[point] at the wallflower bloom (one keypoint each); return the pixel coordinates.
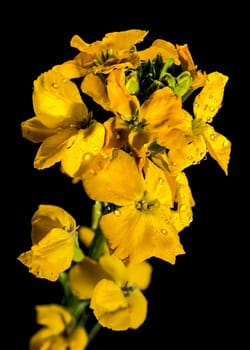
(189, 148)
(114, 290)
(52, 242)
(57, 332)
(61, 124)
(143, 224)
(115, 50)
(141, 124)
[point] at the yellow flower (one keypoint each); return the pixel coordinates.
(115, 50)
(61, 124)
(190, 148)
(114, 290)
(56, 333)
(143, 225)
(145, 123)
(53, 241)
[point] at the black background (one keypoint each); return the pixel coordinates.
(200, 301)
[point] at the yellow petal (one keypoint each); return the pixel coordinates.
(48, 217)
(93, 86)
(78, 339)
(53, 316)
(165, 48)
(50, 256)
(57, 100)
(140, 274)
(209, 100)
(53, 149)
(87, 142)
(113, 310)
(121, 102)
(109, 306)
(111, 184)
(33, 130)
(115, 268)
(219, 147)
(84, 276)
(184, 149)
(134, 236)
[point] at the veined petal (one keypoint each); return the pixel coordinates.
(50, 256)
(219, 147)
(156, 184)
(84, 276)
(135, 236)
(184, 149)
(118, 183)
(87, 141)
(209, 100)
(53, 149)
(163, 109)
(56, 100)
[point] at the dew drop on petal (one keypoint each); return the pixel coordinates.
(117, 212)
(55, 85)
(164, 231)
(183, 207)
(87, 156)
(161, 180)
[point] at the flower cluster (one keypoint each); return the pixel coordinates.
(115, 118)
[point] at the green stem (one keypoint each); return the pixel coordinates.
(93, 332)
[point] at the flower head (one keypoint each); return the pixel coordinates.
(58, 331)
(53, 242)
(114, 290)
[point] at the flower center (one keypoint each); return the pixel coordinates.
(145, 204)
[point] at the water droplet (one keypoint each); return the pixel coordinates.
(161, 180)
(117, 212)
(87, 156)
(212, 108)
(65, 80)
(55, 85)
(212, 137)
(164, 231)
(93, 172)
(226, 143)
(183, 207)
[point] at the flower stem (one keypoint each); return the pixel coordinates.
(93, 332)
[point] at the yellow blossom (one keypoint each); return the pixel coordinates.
(143, 225)
(114, 290)
(53, 242)
(61, 124)
(145, 123)
(115, 50)
(56, 332)
(186, 148)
